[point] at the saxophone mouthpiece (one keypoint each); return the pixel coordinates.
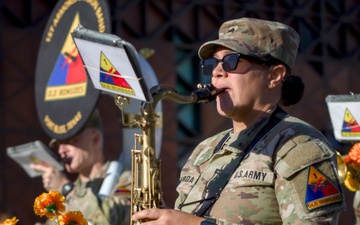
(206, 93)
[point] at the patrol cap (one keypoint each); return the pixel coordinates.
(256, 37)
(94, 121)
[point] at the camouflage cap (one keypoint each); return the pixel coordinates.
(93, 122)
(255, 37)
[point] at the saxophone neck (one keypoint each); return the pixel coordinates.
(204, 94)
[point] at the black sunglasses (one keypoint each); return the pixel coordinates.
(228, 62)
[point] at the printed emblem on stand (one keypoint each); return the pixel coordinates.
(350, 126)
(320, 191)
(110, 78)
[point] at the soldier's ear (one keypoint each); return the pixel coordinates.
(96, 137)
(276, 74)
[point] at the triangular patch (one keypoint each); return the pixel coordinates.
(111, 79)
(320, 191)
(350, 125)
(68, 78)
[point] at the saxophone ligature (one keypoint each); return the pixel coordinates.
(146, 167)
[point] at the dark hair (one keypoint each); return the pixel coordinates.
(293, 86)
(292, 90)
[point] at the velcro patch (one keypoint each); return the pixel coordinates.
(320, 191)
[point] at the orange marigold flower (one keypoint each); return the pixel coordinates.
(11, 221)
(49, 204)
(72, 218)
(354, 153)
(347, 159)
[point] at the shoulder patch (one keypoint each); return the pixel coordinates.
(320, 191)
(122, 190)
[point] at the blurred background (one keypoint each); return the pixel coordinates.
(328, 62)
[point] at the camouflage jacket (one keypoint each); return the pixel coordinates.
(288, 177)
(114, 210)
(356, 205)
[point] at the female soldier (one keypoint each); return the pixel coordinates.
(269, 168)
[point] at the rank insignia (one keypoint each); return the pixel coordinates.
(320, 191)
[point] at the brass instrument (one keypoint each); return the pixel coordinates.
(146, 175)
(342, 167)
(348, 172)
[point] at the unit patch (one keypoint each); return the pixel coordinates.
(122, 190)
(320, 190)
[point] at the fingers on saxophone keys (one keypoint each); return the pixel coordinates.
(150, 214)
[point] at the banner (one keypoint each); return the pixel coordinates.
(64, 95)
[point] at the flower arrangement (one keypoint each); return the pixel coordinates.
(52, 206)
(11, 221)
(352, 162)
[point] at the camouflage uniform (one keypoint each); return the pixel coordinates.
(288, 177)
(356, 206)
(101, 211)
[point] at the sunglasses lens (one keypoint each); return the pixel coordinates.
(208, 65)
(230, 62)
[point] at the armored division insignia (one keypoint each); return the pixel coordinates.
(350, 125)
(64, 95)
(68, 78)
(113, 82)
(320, 190)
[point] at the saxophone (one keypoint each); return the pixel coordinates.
(145, 167)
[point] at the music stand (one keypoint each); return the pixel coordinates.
(111, 63)
(345, 116)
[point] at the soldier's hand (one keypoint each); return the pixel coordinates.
(166, 217)
(52, 178)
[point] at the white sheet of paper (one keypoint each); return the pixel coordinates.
(345, 119)
(96, 56)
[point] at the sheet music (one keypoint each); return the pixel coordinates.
(33, 152)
